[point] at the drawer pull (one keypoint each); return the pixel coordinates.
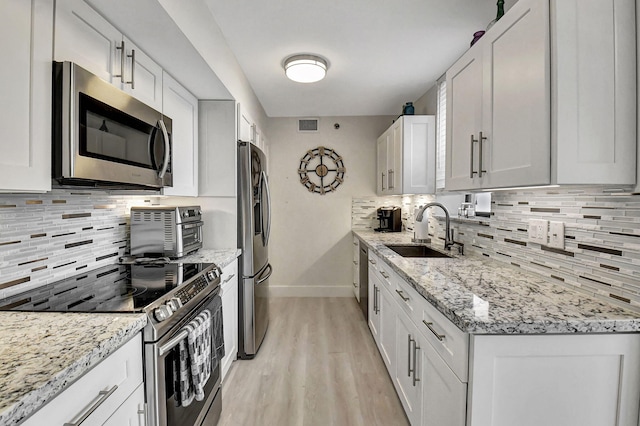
(355, 262)
(371, 261)
(355, 243)
(429, 326)
(384, 274)
(401, 294)
(229, 279)
(103, 396)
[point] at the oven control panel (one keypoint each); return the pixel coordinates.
(185, 294)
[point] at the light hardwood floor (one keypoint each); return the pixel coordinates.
(318, 365)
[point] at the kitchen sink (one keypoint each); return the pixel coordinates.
(415, 251)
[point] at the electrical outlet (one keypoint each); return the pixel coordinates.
(537, 231)
(556, 235)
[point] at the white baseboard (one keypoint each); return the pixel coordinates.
(310, 291)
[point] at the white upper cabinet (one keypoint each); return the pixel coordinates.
(83, 36)
(406, 155)
(182, 107)
(514, 117)
(26, 31)
(217, 148)
(86, 38)
(143, 78)
(595, 91)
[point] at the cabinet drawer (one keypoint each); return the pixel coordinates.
(374, 262)
(451, 343)
(229, 274)
(408, 299)
(99, 392)
(132, 412)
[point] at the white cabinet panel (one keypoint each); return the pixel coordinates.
(26, 31)
(230, 315)
(516, 99)
(579, 380)
(388, 313)
(406, 154)
(132, 412)
(595, 86)
(86, 38)
(356, 268)
(374, 305)
(143, 77)
(444, 396)
(182, 107)
(408, 384)
(217, 148)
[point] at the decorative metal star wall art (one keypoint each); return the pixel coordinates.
(321, 170)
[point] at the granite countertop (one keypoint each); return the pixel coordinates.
(484, 296)
(221, 257)
(42, 353)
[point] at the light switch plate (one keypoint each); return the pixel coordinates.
(556, 235)
(537, 231)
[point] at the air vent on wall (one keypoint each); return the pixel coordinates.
(308, 125)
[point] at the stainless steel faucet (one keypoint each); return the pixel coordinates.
(448, 238)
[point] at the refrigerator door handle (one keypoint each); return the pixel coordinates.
(268, 270)
(266, 231)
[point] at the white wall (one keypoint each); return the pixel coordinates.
(311, 233)
(197, 23)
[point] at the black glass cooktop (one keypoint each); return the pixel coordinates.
(113, 288)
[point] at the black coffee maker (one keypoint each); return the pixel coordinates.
(390, 219)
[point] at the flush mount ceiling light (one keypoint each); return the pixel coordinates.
(305, 68)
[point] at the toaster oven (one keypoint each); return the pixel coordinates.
(169, 231)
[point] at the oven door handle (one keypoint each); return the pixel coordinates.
(191, 225)
(172, 343)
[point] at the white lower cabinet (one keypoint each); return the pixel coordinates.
(374, 307)
(132, 412)
(406, 378)
(229, 315)
(445, 377)
(114, 387)
(356, 268)
(444, 396)
(555, 380)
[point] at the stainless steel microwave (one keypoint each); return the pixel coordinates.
(104, 137)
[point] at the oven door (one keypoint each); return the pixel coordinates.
(160, 361)
(190, 237)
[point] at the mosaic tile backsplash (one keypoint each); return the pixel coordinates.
(602, 236)
(47, 237)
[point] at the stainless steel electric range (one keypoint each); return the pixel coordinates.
(171, 294)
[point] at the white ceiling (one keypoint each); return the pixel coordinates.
(381, 53)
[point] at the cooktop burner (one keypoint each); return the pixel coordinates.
(112, 288)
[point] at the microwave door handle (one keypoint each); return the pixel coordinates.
(167, 149)
(268, 201)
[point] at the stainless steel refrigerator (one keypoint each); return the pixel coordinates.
(254, 227)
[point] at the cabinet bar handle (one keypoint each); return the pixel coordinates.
(480, 163)
(429, 326)
(383, 175)
(103, 396)
(409, 370)
(471, 171)
(229, 279)
(355, 243)
(121, 49)
(401, 294)
(416, 348)
(384, 274)
(376, 299)
(133, 68)
(355, 262)
(355, 285)
(390, 177)
(371, 261)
